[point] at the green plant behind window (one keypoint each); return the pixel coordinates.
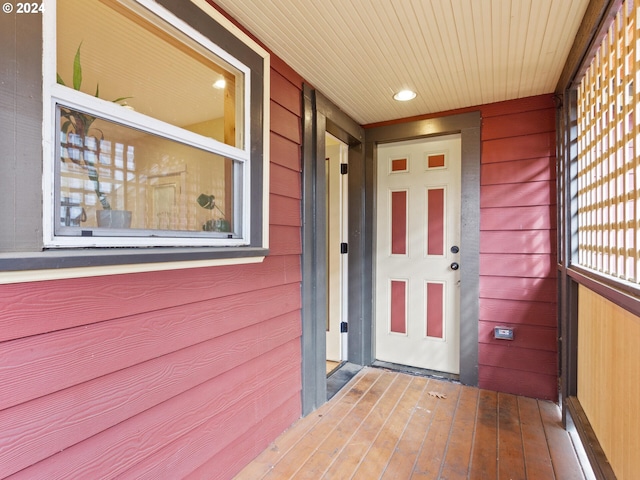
(80, 124)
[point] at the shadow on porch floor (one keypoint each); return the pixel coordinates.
(391, 425)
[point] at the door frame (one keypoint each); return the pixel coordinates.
(320, 116)
(468, 126)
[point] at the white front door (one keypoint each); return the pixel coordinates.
(417, 250)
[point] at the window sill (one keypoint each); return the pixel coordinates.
(17, 267)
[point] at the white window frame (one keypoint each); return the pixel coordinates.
(54, 93)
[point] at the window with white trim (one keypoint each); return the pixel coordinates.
(608, 161)
(150, 131)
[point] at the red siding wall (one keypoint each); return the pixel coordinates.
(518, 247)
(164, 374)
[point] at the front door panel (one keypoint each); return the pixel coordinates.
(417, 253)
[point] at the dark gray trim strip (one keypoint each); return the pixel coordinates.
(321, 116)
(468, 126)
(360, 254)
(339, 124)
(567, 242)
(314, 385)
(597, 458)
(423, 128)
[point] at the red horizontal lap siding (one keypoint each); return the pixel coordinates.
(518, 245)
(506, 149)
(120, 394)
(285, 182)
(529, 384)
(284, 210)
(518, 171)
(161, 373)
(285, 152)
(520, 105)
(239, 392)
(523, 289)
(526, 312)
(249, 445)
(514, 357)
(518, 194)
(518, 265)
(74, 302)
(285, 240)
(518, 218)
(519, 123)
(518, 241)
(41, 364)
(285, 123)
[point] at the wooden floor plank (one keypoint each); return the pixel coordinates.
(510, 451)
(328, 450)
(434, 448)
(458, 457)
(386, 425)
(373, 464)
(406, 452)
(362, 439)
(299, 441)
(484, 458)
(563, 456)
(537, 458)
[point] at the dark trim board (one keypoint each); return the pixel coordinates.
(420, 372)
(319, 117)
(468, 126)
(341, 377)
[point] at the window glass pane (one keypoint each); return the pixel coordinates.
(155, 69)
(164, 185)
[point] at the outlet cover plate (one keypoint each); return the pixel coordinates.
(503, 333)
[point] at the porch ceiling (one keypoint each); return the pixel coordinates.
(453, 53)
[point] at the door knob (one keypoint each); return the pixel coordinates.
(455, 266)
(455, 249)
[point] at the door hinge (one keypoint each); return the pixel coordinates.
(344, 327)
(344, 168)
(344, 248)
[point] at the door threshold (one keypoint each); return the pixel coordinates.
(340, 377)
(332, 366)
(421, 372)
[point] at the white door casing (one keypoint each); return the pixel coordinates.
(337, 228)
(418, 230)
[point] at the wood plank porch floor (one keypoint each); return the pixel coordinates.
(389, 425)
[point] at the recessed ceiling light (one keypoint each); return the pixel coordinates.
(220, 84)
(404, 95)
